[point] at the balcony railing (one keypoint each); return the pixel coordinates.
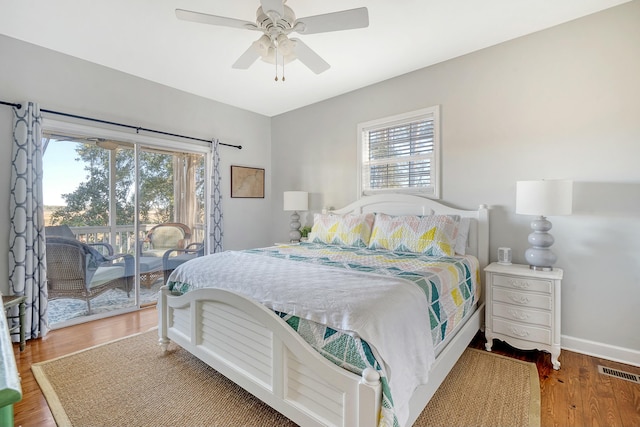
(124, 238)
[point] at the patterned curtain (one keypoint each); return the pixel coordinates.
(215, 208)
(27, 266)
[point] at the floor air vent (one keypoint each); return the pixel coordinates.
(619, 374)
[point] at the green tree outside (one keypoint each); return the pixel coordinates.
(88, 205)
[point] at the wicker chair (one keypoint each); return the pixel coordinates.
(77, 270)
(163, 237)
(174, 257)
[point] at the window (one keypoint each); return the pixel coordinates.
(401, 154)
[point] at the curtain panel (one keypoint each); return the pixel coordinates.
(184, 189)
(215, 206)
(27, 263)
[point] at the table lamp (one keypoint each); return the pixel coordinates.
(543, 198)
(295, 201)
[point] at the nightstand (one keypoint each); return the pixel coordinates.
(523, 308)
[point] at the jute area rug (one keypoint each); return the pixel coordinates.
(129, 382)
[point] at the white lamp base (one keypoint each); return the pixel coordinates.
(294, 233)
(539, 256)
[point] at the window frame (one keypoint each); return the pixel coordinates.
(432, 191)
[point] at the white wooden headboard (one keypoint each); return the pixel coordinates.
(406, 204)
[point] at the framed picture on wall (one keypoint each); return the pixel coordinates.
(247, 182)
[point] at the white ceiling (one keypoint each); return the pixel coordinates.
(144, 38)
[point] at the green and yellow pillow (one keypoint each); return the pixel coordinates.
(342, 230)
(433, 235)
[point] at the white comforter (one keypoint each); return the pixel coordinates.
(391, 314)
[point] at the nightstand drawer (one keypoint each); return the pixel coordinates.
(522, 298)
(511, 312)
(522, 283)
(522, 332)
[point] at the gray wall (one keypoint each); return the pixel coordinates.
(561, 103)
(63, 83)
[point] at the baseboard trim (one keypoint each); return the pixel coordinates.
(605, 351)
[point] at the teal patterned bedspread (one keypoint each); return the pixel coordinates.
(449, 283)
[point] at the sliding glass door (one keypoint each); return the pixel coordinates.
(113, 210)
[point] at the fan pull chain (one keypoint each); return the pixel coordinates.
(276, 61)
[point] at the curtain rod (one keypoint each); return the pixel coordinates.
(137, 128)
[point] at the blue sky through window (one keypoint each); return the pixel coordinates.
(61, 172)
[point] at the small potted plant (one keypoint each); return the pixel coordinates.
(304, 232)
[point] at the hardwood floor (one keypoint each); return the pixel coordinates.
(576, 395)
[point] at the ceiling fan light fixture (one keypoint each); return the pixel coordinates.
(285, 46)
(262, 45)
(270, 57)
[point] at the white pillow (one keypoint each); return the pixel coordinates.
(462, 239)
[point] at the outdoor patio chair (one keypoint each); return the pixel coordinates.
(163, 237)
(78, 271)
(150, 270)
(174, 257)
(64, 231)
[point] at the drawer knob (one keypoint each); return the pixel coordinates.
(520, 299)
(519, 332)
(518, 314)
(521, 284)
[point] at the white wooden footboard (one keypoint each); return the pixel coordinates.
(253, 347)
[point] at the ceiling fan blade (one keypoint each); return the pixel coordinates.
(257, 49)
(203, 18)
(247, 59)
(335, 21)
(308, 57)
(275, 5)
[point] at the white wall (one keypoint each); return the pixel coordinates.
(561, 103)
(63, 83)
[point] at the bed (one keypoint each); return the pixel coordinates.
(268, 347)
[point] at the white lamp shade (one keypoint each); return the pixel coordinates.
(545, 197)
(296, 200)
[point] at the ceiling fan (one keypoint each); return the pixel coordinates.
(277, 21)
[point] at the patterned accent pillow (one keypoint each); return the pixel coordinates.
(342, 230)
(431, 235)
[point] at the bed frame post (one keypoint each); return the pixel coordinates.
(163, 322)
(370, 390)
(483, 236)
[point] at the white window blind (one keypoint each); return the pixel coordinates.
(400, 153)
